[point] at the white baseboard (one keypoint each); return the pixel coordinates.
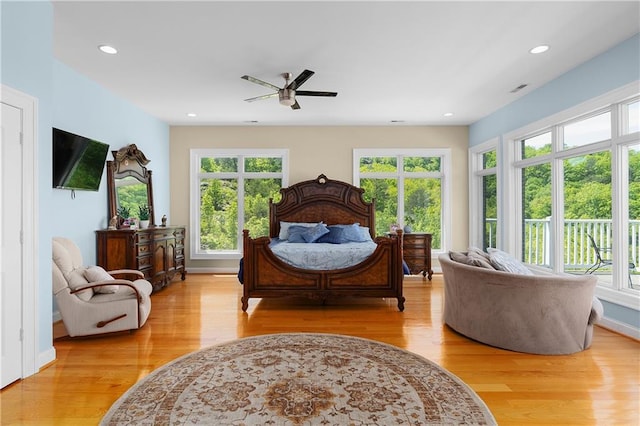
(212, 270)
(620, 327)
(56, 316)
(46, 357)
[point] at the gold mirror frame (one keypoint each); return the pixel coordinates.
(128, 162)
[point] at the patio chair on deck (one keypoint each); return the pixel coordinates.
(600, 262)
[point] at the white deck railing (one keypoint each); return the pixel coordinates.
(579, 255)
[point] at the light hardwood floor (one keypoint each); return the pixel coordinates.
(597, 386)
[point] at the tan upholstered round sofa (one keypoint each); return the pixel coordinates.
(539, 314)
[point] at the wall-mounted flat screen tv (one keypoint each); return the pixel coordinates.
(78, 162)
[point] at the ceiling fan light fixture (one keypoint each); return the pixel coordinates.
(287, 97)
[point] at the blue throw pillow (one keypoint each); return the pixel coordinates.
(302, 234)
(352, 233)
(311, 235)
(295, 234)
(333, 237)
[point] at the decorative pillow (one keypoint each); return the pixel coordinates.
(479, 252)
(76, 279)
(503, 261)
(311, 235)
(96, 274)
(352, 233)
(476, 259)
(334, 236)
(303, 234)
(458, 256)
(365, 234)
(294, 233)
(284, 228)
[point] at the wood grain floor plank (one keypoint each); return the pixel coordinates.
(597, 386)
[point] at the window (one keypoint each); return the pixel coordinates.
(483, 195)
(587, 130)
(633, 213)
(632, 115)
(536, 208)
(409, 187)
(230, 191)
(564, 196)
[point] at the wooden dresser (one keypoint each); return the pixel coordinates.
(158, 252)
(416, 251)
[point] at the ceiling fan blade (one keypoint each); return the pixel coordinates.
(257, 98)
(260, 82)
(296, 105)
(314, 93)
(304, 76)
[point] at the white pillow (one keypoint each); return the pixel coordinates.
(97, 273)
(503, 261)
(76, 279)
(284, 228)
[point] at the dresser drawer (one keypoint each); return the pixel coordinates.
(145, 262)
(143, 237)
(144, 249)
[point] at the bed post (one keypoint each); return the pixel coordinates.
(248, 269)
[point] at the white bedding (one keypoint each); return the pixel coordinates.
(322, 256)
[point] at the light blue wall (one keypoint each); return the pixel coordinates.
(26, 66)
(69, 100)
(608, 71)
(614, 68)
(83, 107)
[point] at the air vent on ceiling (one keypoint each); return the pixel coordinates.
(519, 88)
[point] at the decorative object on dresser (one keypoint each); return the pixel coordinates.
(416, 249)
(157, 252)
(129, 183)
(332, 203)
(143, 213)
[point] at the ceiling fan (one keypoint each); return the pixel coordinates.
(288, 93)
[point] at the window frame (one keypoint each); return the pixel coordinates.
(195, 177)
(476, 174)
(616, 101)
(444, 175)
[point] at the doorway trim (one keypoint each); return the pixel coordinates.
(30, 268)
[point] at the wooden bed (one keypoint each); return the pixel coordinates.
(333, 202)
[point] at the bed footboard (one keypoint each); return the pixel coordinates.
(265, 275)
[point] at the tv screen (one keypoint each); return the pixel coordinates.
(78, 162)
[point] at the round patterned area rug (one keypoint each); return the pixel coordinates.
(300, 379)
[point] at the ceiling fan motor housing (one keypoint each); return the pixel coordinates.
(287, 96)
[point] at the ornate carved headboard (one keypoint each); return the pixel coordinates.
(321, 199)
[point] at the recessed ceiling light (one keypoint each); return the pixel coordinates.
(192, 114)
(448, 114)
(539, 49)
(108, 49)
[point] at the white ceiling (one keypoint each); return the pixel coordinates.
(409, 61)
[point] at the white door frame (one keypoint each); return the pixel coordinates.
(30, 269)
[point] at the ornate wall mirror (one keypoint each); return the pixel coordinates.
(129, 182)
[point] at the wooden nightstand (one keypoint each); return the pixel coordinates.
(416, 250)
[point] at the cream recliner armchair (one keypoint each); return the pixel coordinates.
(91, 300)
